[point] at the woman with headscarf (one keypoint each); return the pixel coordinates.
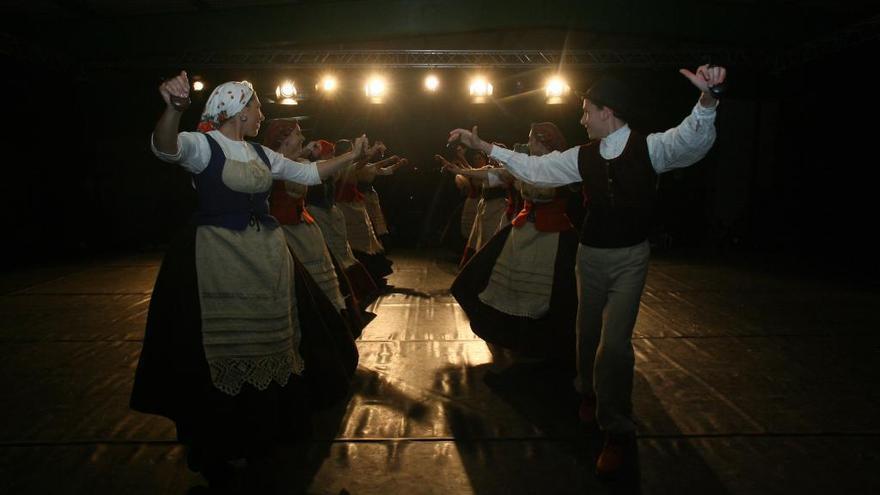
(491, 207)
(519, 291)
(361, 236)
(303, 235)
(365, 177)
(321, 201)
(221, 354)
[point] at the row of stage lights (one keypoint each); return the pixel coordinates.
(376, 89)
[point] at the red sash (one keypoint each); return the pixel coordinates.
(548, 217)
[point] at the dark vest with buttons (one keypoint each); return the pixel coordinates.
(619, 194)
(220, 206)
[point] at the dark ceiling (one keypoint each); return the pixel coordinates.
(139, 31)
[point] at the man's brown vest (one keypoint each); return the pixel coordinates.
(619, 194)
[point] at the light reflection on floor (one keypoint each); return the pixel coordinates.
(746, 381)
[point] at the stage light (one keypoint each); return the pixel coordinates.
(556, 89)
(287, 89)
(328, 84)
(198, 85)
(376, 88)
(432, 82)
(285, 93)
(480, 89)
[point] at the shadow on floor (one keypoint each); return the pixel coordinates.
(559, 448)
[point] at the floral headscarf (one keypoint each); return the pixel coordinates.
(224, 103)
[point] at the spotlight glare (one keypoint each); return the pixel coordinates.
(328, 84)
(198, 86)
(432, 82)
(287, 89)
(555, 89)
(376, 88)
(480, 88)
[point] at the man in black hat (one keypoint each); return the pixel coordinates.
(619, 169)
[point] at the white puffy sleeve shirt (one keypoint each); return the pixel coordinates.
(678, 147)
(194, 153)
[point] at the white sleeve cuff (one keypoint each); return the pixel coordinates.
(703, 112)
(166, 157)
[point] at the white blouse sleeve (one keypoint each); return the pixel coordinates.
(291, 171)
(193, 151)
(686, 144)
(550, 170)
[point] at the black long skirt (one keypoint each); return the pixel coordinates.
(357, 287)
(173, 378)
(377, 265)
(550, 337)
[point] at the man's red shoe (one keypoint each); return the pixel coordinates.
(616, 452)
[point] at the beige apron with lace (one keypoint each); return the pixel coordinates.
(522, 278)
(250, 330)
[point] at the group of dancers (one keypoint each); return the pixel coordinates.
(540, 288)
(257, 304)
(517, 278)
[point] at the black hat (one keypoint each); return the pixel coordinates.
(612, 93)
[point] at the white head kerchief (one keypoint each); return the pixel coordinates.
(224, 103)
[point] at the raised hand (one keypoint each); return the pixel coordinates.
(447, 165)
(359, 148)
(706, 76)
(468, 138)
(390, 161)
(176, 88)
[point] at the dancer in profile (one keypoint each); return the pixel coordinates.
(361, 236)
(221, 354)
(519, 290)
(302, 233)
(491, 206)
(365, 178)
(619, 171)
(321, 201)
